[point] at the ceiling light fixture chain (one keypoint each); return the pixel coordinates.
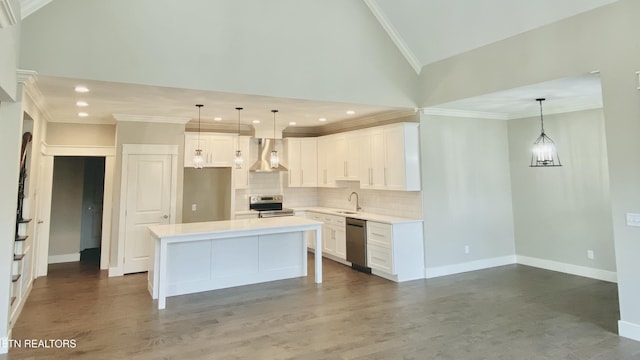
(544, 153)
(274, 160)
(239, 160)
(198, 160)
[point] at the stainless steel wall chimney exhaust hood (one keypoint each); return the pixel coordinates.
(265, 146)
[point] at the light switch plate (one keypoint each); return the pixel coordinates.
(194, 207)
(633, 219)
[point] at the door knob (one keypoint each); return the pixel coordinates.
(165, 217)
(40, 221)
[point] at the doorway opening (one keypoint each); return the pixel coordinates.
(77, 206)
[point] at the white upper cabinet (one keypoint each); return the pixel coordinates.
(402, 157)
(326, 161)
(301, 155)
(372, 165)
(389, 157)
(241, 176)
(218, 150)
(346, 163)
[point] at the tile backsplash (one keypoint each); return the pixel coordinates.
(392, 203)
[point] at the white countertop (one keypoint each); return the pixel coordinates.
(359, 215)
(231, 226)
(246, 212)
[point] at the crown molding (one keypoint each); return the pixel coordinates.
(151, 119)
(7, 15)
(28, 7)
(384, 118)
(245, 130)
(26, 76)
(556, 110)
(510, 116)
(29, 81)
(465, 113)
(394, 35)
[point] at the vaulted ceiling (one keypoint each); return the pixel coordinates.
(424, 31)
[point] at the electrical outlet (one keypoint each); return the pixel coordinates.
(590, 254)
(466, 249)
(633, 219)
(194, 207)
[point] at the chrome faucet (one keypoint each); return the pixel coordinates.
(358, 208)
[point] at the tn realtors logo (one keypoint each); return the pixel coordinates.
(38, 343)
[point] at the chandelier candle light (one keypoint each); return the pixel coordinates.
(198, 161)
(274, 160)
(544, 149)
(238, 159)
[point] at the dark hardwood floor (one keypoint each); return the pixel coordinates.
(511, 312)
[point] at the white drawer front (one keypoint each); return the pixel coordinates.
(380, 258)
(379, 234)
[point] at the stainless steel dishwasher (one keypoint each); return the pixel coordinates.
(357, 244)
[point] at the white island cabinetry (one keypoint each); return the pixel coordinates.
(197, 257)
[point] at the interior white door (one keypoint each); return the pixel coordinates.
(148, 202)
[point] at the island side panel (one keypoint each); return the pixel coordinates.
(206, 265)
(318, 254)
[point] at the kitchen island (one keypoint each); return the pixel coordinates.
(205, 256)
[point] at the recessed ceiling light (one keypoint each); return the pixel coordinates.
(82, 89)
(292, 123)
(256, 121)
(83, 114)
(350, 112)
(82, 103)
(322, 119)
(217, 118)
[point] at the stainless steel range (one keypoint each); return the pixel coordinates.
(269, 206)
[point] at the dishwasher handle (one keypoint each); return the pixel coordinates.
(356, 222)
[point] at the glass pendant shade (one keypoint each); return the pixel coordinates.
(198, 160)
(238, 160)
(274, 160)
(544, 153)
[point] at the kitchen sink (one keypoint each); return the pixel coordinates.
(346, 212)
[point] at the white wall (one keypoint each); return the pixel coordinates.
(467, 193)
(322, 50)
(10, 44)
(80, 134)
(604, 39)
(66, 206)
(562, 212)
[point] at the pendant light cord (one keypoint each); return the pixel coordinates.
(541, 118)
(199, 107)
(274, 124)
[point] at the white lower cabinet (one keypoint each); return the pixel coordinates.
(395, 252)
(334, 238)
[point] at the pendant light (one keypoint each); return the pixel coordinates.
(238, 159)
(198, 160)
(544, 149)
(274, 161)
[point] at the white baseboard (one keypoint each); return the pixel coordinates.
(610, 276)
(64, 258)
(469, 266)
(116, 271)
(629, 330)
